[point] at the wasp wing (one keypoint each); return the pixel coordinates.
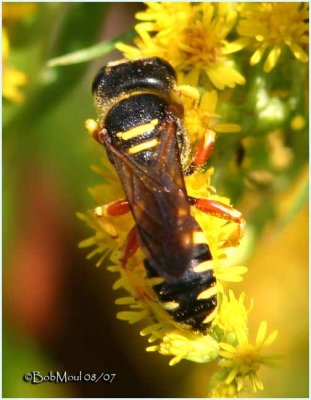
(159, 203)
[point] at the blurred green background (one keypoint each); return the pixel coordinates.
(58, 309)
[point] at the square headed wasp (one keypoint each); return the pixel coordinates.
(140, 125)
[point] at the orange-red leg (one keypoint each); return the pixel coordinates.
(219, 210)
(130, 246)
(113, 209)
(203, 152)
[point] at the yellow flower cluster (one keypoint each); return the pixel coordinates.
(243, 360)
(227, 341)
(202, 116)
(273, 26)
(195, 38)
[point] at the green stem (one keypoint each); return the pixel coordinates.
(90, 53)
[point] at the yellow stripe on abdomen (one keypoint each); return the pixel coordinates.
(143, 146)
(138, 130)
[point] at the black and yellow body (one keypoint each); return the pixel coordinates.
(145, 139)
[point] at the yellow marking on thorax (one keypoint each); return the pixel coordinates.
(199, 237)
(210, 317)
(143, 146)
(170, 305)
(138, 130)
(206, 294)
(204, 266)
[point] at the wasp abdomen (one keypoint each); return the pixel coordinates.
(191, 299)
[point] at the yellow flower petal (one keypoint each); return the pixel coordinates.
(152, 348)
(242, 337)
(272, 59)
(125, 300)
(132, 316)
(227, 128)
(212, 73)
(261, 333)
(271, 338)
(298, 52)
(226, 355)
(257, 56)
(228, 347)
(258, 382)
(130, 52)
(142, 29)
(231, 376)
(233, 47)
(209, 102)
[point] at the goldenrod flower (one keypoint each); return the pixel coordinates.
(232, 316)
(201, 116)
(243, 360)
(271, 26)
(188, 346)
(192, 37)
(221, 390)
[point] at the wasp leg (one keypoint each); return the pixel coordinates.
(130, 246)
(113, 209)
(203, 152)
(220, 210)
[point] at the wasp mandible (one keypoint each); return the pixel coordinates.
(141, 127)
